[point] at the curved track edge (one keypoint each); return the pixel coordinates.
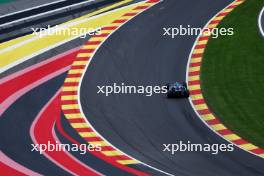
(260, 25)
(197, 99)
(70, 100)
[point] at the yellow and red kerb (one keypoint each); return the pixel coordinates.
(195, 87)
(69, 94)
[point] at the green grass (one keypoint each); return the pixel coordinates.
(232, 74)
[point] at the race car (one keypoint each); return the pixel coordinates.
(177, 90)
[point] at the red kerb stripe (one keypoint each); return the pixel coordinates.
(101, 35)
(231, 6)
(225, 132)
(120, 21)
(222, 14)
(92, 139)
(202, 38)
(196, 64)
(213, 122)
(197, 102)
(258, 151)
(71, 111)
(196, 82)
(194, 73)
(82, 58)
(195, 92)
(75, 75)
(70, 84)
(200, 46)
(130, 14)
(77, 67)
(204, 111)
(83, 129)
(77, 120)
(141, 7)
(215, 22)
(240, 141)
(110, 28)
(196, 55)
(69, 93)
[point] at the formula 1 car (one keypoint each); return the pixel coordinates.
(177, 90)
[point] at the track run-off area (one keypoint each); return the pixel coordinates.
(56, 100)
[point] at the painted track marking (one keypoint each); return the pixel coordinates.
(35, 7)
(45, 121)
(73, 112)
(197, 100)
(29, 46)
(260, 25)
(24, 82)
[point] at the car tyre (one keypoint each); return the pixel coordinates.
(187, 94)
(184, 84)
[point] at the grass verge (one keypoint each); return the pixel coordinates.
(232, 74)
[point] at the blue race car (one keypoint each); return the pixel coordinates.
(177, 90)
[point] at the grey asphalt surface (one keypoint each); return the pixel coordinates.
(27, 12)
(51, 19)
(46, 55)
(16, 143)
(90, 159)
(53, 52)
(15, 6)
(139, 54)
(15, 128)
(15, 139)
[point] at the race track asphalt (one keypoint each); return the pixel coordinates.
(15, 126)
(139, 54)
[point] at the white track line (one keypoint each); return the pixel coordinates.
(67, 25)
(31, 8)
(13, 47)
(194, 109)
(79, 95)
(44, 13)
(260, 22)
